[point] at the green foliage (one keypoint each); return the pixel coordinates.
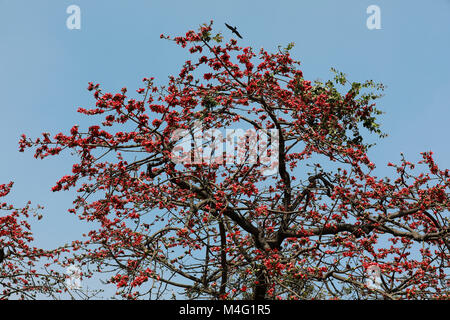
(359, 96)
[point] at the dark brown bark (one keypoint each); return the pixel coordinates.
(261, 286)
(223, 258)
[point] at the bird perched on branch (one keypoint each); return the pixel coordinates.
(2, 255)
(234, 30)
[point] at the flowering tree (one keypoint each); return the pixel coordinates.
(228, 229)
(25, 271)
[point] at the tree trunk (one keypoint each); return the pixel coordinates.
(260, 290)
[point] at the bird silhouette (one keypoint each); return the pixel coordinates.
(234, 30)
(2, 255)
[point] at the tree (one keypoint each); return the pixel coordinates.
(223, 230)
(25, 271)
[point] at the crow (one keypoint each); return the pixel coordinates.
(234, 30)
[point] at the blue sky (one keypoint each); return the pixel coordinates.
(45, 68)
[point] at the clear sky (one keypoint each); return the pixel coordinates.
(45, 68)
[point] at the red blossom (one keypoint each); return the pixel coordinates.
(228, 231)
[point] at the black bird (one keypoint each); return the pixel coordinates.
(234, 30)
(2, 255)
